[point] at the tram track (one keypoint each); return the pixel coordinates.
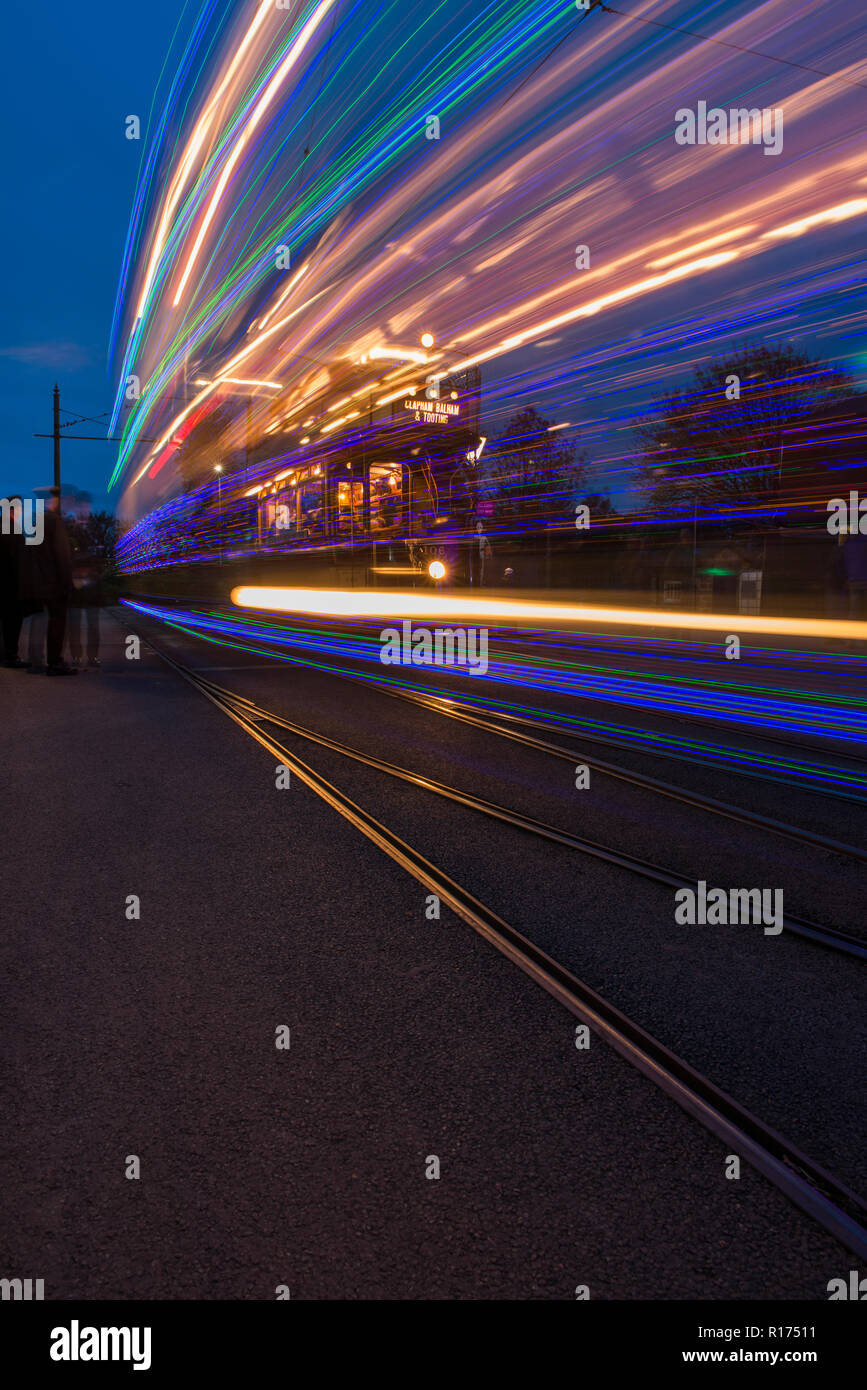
(829, 937)
(695, 757)
(831, 1203)
(476, 717)
(704, 761)
(733, 726)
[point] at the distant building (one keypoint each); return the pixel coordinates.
(824, 455)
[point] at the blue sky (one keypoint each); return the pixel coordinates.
(72, 75)
(78, 72)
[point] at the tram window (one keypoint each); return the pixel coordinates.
(311, 512)
(277, 516)
(423, 505)
(386, 495)
(285, 519)
(350, 506)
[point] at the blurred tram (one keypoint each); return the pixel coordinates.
(394, 503)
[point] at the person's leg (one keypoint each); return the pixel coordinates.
(5, 628)
(15, 631)
(93, 634)
(10, 618)
(36, 641)
(73, 632)
(56, 631)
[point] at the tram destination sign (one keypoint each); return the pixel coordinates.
(432, 412)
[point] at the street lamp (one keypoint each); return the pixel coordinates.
(218, 468)
(681, 483)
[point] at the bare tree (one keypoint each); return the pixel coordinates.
(532, 469)
(721, 439)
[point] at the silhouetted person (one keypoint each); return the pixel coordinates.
(85, 603)
(481, 554)
(48, 581)
(11, 611)
(16, 567)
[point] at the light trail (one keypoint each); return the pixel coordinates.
(249, 129)
(726, 700)
(193, 147)
(527, 613)
(553, 131)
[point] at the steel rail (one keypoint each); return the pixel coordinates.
(838, 1209)
(732, 725)
(664, 788)
(483, 721)
(829, 937)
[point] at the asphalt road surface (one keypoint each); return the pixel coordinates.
(432, 1130)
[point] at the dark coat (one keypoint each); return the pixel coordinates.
(45, 570)
(9, 564)
(87, 576)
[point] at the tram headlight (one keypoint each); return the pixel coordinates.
(436, 569)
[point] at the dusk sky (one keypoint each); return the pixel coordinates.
(74, 176)
(78, 71)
